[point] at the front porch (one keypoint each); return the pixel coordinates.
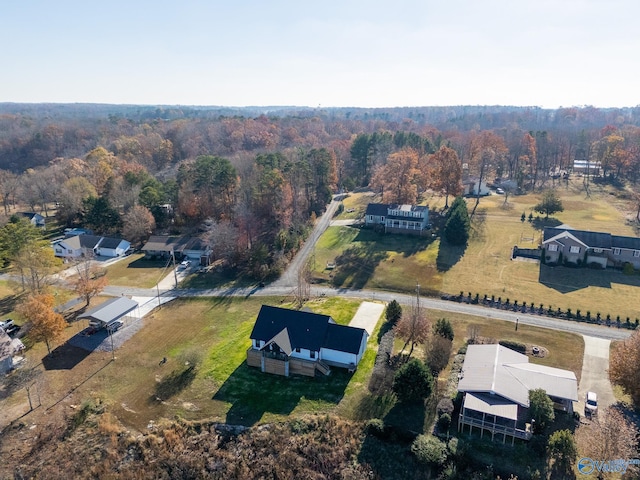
(495, 415)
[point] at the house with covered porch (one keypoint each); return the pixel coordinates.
(496, 381)
(393, 218)
(287, 342)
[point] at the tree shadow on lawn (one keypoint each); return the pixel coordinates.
(449, 255)
(65, 357)
(540, 223)
(8, 304)
(357, 264)
(567, 279)
(145, 262)
(253, 393)
(174, 383)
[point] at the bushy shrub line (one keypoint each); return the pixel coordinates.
(542, 309)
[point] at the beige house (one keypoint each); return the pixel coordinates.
(496, 381)
(581, 247)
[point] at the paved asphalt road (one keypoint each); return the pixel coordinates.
(286, 285)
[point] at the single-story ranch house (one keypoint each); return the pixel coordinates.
(83, 245)
(287, 342)
(580, 247)
(496, 381)
(164, 246)
(411, 219)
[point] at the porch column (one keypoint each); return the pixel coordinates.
(262, 362)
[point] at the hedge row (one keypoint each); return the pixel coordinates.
(541, 309)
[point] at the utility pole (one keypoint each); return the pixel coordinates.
(175, 273)
(113, 351)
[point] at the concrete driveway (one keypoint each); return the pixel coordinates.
(367, 316)
(595, 376)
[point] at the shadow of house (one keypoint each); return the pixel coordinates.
(252, 393)
(65, 357)
(540, 223)
(570, 279)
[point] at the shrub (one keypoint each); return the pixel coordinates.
(444, 422)
(628, 269)
(443, 328)
(517, 346)
(413, 381)
(376, 427)
(429, 450)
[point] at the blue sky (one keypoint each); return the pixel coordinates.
(360, 53)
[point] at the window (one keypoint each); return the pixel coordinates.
(616, 251)
(297, 350)
(312, 354)
(553, 247)
(597, 250)
(574, 249)
(636, 253)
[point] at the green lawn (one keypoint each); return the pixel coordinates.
(393, 262)
(137, 271)
(224, 387)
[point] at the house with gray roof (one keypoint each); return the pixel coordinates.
(394, 218)
(164, 246)
(583, 247)
(287, 342)
(496, 381)
(87, 245)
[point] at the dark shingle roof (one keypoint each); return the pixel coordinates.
(591, 239)
(377, 209)
(108, 242)
(343, 338)
(311, 331)
(632, 243)
(306, 330)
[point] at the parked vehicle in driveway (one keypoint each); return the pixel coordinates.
(114, 326)
(185, 264)
(591, 404)
(7, 324)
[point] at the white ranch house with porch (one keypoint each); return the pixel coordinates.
(496, 381)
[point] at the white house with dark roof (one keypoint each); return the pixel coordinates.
(394, 218)
(286, 342)
(496, 381)
(581, 247)
(88, 245)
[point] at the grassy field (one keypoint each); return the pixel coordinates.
(392, 262)
(136, 271)
(215, 332)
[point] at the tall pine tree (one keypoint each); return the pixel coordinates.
(456, 230)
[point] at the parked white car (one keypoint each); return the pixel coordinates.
(591, 404)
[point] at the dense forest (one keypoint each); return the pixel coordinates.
(251, 180)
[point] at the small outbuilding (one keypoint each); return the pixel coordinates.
(111, 311)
